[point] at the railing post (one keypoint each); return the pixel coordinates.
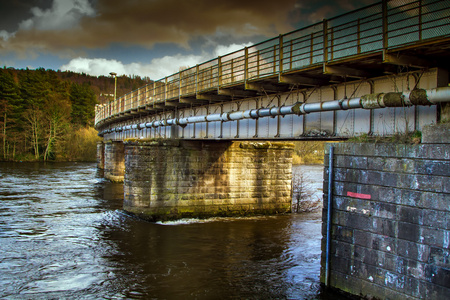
(358, 37)
(290, 56)
(231, 70)
(196, 79)
(280, 55)
(332, 44)
(257, 64)
(325, 40)
(165, 89)
(154, 92)
(219, 71)
(246, 66)
(179, 85)
(274, 58)
(420, 20)
(385, 24)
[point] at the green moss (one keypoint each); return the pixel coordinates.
(413, 137)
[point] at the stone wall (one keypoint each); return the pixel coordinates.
(100, 155)
(390, 220)
(114, 161)
(173, 179)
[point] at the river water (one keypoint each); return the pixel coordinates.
(63, 235)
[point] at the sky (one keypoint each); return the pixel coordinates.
(149, 38)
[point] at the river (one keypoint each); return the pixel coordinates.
(63, 235)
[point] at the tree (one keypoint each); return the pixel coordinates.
(56, 114)
(35, 118)
(9, 107)
(4, 110)
(83, 102)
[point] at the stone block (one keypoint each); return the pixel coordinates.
(438, 275)
(363, 238)
(411, 214)
(437, 201)
(430, 290)
(383, 210)
(390, 195)
(408, 231)
(436, 219)
(439, 257)
(343, 234)
(432, 167)
(433, 151)
(436, 134)
(435, 237)
(391, 179)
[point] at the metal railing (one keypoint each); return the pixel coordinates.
(382, 26)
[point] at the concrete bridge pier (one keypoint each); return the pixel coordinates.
(101, 155)
(172, 179)
(113, 160)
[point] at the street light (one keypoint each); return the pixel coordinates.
(115, 83)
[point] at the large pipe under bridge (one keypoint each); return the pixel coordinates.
(369, 101)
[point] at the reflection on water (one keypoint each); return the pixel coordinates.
(63, 235)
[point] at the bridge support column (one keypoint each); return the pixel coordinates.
(114, 161)
(175, 179)
(101, 155)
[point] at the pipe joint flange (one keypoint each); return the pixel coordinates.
(341, 103)
(225, 117)
(182, 125)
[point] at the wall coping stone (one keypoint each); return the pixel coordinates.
(235, 144)
(436, 134)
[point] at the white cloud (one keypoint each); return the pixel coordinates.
(64, 14)
(222, 50)
(158, 67)
(5, 35)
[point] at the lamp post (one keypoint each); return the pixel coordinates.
(115, 83)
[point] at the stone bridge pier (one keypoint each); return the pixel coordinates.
(172, 179)
(110, 158)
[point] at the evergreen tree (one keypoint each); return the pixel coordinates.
(10, 109)
(83, 102)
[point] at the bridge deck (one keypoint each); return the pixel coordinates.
(373, 41)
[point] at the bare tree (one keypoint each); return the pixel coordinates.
(57, 115)
(35, 119)
(303, 194)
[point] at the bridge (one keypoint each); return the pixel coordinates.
(215, 140)
(272, 89)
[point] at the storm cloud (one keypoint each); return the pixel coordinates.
(146, 37)
(78, 24)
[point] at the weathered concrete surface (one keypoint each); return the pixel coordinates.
(100, 155)
(114, 161)
(436, 134)
(174, 179)
(390, 220)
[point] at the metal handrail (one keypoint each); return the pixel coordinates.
(352, 34)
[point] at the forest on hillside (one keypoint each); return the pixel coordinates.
(49, 115)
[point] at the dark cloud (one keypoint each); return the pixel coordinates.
(70, 28)
(144, 23)
(13, 12)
